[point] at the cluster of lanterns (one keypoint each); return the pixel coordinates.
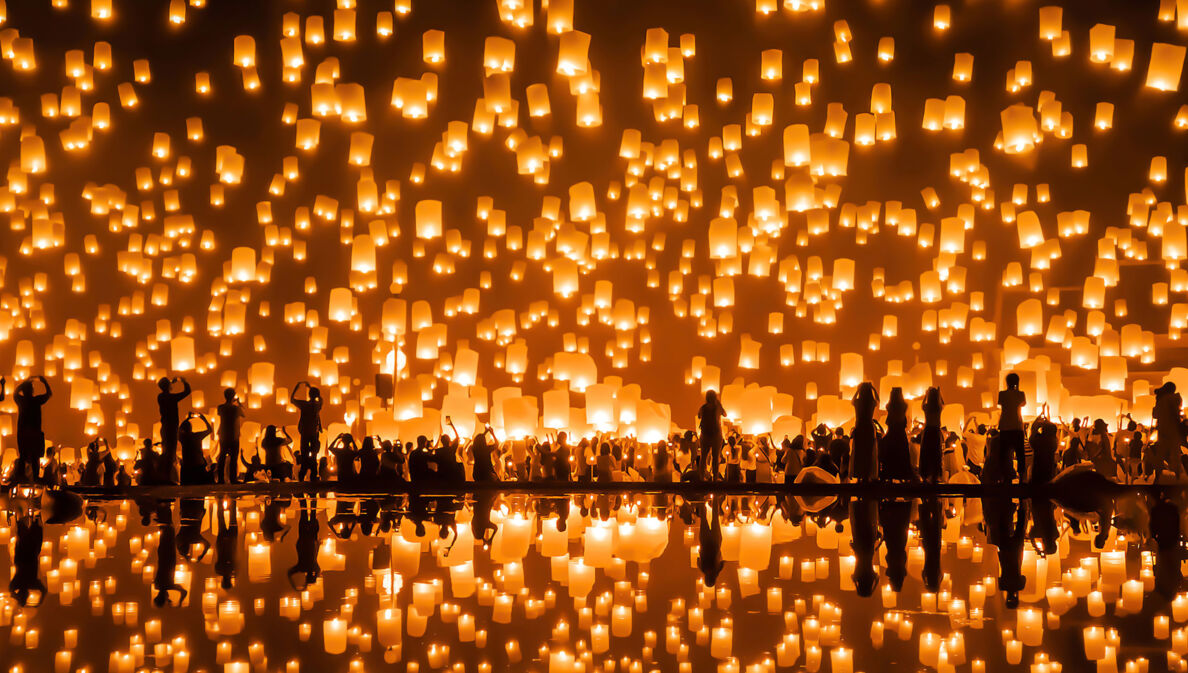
(673, 233)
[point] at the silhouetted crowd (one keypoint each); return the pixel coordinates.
(889, 449)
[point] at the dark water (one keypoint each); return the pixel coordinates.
(613, 583)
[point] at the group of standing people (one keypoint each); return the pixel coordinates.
(891, 449)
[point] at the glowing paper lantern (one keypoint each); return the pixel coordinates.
(1167, 62)
(428, 219)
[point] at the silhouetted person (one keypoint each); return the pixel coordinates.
(709, 543)
(230, 420)
(864, 463)
(1075, 451)
(1169, 554)
(309, 428)
(369, 459)
(163, 577)
(1169, 426)
(307, 548)
(99, 466)
(932, 442)
(930, 523)
(793, 458)
(709, 423)
(148, 464)
(420, 473)
(604, 466)
(226, 542)
(561, 458)
(1010, 429)
(1044, 445)
(194, 466)
(167, 403)
(449, 470)
(29, 435)
(1101, 451)
(25, 560)
(274, 460)
(895, 457)
(484, 466)
(1006, 523)
(895, 516)
(343, 449)
(392, 461)
(864, 524)
(839, 454)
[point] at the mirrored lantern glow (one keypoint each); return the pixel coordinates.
(571, 583)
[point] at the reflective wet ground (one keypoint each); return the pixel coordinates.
(606, 582)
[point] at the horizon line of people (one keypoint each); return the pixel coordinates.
(897, 452)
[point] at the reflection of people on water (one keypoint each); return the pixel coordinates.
(25, 560)
(1006, 524)
(226, 541)
(930, 523)
(271, 521)
(709, 542)
(864, 523)
(1169, 547)
(895, 516)
(480, 523)
(189, 530)
(164, 582)
(1044, 533)
(306, 567)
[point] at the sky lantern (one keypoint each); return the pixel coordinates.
(572, 53)
(433, 46)
(1101, 43)
(428, 219)
(1019, 128)
(1167, 62)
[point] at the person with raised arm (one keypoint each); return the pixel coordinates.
(484, 465)
(230, 420)
(309, 428)
(274, 442)
(932, 441)
(30, 437)
(345, 451)
(194, 466)
(167, 404)
(864, 463)
(709, 425)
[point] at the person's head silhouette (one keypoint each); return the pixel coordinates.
(163, 384)
(229, 394)
(1012, 381)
